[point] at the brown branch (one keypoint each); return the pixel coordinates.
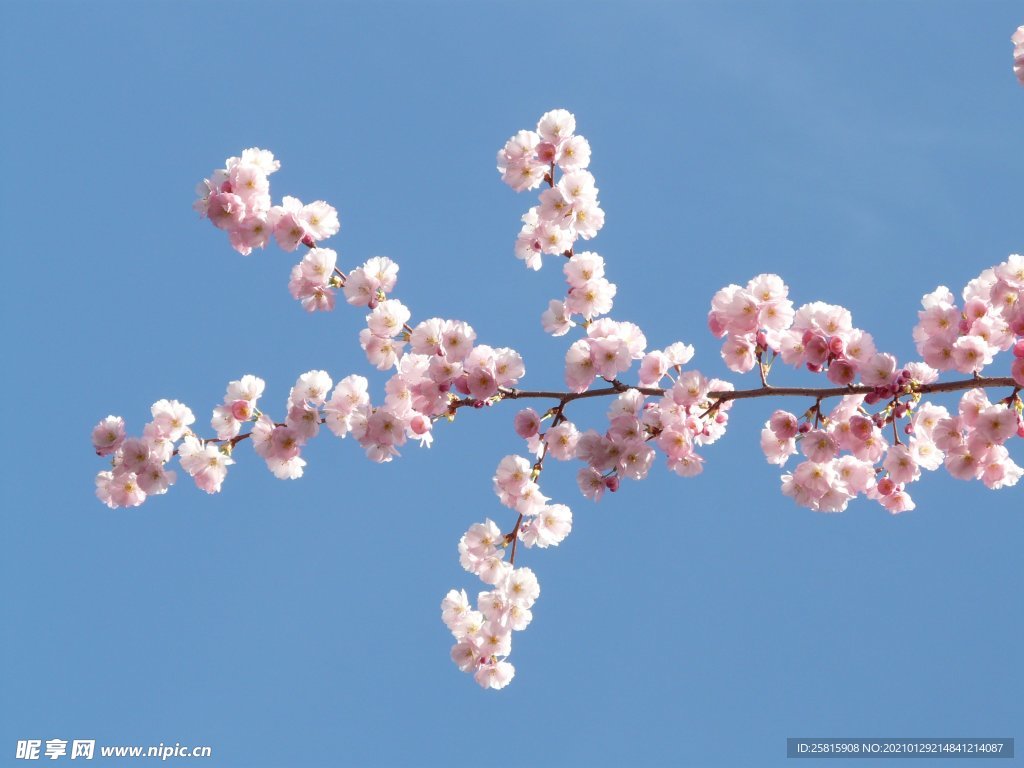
(565, 398)
(770, 391)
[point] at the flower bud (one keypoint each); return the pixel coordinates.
(241, 410)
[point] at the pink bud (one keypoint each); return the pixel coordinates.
(805, 428)
(1018, 348)
(886, 486)
(546, 152)
(808, 335)
(836, 346)
(762, 339)
(965, 325)
(908, 429)
(871, 398)
(419, 424)
(612, 483)
(309, 242)
(241, 410)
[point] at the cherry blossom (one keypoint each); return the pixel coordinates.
(869, 432)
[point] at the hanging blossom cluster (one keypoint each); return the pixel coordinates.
(874, 442)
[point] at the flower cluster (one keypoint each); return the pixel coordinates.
(236, 198)
(568, 209)
(971, 445)
(437, 368)
(138, 464)
(967, 339)
(484, 635)
(760, 318)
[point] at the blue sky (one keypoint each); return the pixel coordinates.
(866, 152)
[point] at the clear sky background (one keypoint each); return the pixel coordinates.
(866, 152)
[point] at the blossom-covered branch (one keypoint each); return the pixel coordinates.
(873, 443)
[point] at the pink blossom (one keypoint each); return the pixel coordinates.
(289, 228)
(818, 446)
(381, 352)
(119, 489)
(579, 367)
(549, 528)
(901, 465)
(321, 219)
(738, 354)
(776, 450)
(108, 435)
(225, 210)
(496, 674)
(591, 483)
(997, 424)
(972, 404)
(555, 318)
(134, 454)
(526, 423)
(561, 440)
(784, 424)
(172, 418)
(556, 126)
(387, 318)
(154, 479)
(898, 501)
(688, 465)
(999, 470)
(970, 354)
(879, 370)
(207, 465)
(962, 464)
